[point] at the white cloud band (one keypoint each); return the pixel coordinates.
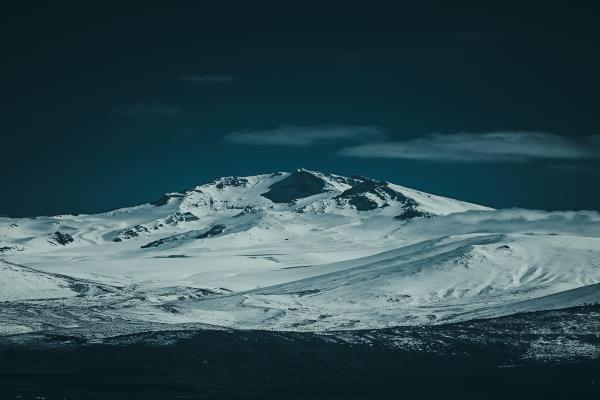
(482, 147)
(288, 135)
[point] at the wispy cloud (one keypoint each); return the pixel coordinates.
(220, 78)
(289, 135)
(143, 108)
(482, 147)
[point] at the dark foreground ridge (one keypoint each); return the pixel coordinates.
(506, 358)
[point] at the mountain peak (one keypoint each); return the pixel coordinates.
(299, 184)
(305, 190)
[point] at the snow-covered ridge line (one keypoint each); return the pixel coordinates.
(236, 203)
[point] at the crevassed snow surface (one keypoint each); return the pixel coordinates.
(293, 251)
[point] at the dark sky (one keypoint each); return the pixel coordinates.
(109, 105)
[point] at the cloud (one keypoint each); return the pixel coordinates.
(482, 147)
(142, 108)
(300, 136)
(509, 221)
(200, 79)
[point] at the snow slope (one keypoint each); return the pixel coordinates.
(293, 251)
(436, 281)
(21, 283)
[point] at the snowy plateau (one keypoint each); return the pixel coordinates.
(299, 251)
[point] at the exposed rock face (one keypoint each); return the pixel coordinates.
(159, 242)
(363, 194)
(129, 233)
(9, 249)
(165, 198)
(248, 210)
(213, 231)
(298, 185)
(62, 238)
(177, 217)
(411, 212)
(187, 236)
(231, 181)
(172, 219)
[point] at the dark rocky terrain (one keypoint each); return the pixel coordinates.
(546, 355)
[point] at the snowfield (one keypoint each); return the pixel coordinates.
(301, 251)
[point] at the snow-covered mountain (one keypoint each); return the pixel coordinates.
(292, 251)
(240, 208)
